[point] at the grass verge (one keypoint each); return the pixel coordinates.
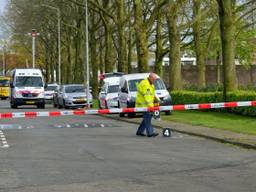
(218, 120)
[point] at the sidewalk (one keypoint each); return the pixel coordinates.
(243, 140)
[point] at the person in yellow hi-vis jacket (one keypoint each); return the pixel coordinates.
(146, 98)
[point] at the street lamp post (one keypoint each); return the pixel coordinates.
(4, 59)
(59, 40)
(87, 55)
(34, 34)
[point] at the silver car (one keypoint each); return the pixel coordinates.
(73, 96)
(49, 92)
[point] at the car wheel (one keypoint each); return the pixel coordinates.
(59, 106)
(64, 105)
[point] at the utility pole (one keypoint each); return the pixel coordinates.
(33, 34)
(87, 55)
(3, 58)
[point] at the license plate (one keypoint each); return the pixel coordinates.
(80, 100)
(30, 102)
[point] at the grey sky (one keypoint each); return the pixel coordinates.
(2, 5)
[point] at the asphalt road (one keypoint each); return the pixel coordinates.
(93, 153)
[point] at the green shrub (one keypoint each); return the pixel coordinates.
(192, 97)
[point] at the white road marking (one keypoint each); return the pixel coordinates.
(3, 139)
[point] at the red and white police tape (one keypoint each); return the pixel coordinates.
(128, 110)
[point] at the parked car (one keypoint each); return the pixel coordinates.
(128, 91)
(107, 75)
(109, 93)
(49, 92)
(72, 96)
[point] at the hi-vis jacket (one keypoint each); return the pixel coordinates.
(146, 94)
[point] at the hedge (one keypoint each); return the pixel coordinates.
(193, 97)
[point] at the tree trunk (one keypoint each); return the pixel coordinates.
(122, 51)
(200, 61)
(94, 62)
(69, 76)
(141, 37)
(159, 47)
(174, 48)
(228, 29)
(218, 62)
(78, 68)
(129, 59)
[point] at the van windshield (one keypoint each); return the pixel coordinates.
(113, 88)
(159, 85)
(28, 81)
(51, 88)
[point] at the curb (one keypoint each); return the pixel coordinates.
(221, 140)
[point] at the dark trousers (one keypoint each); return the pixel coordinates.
(146, 124)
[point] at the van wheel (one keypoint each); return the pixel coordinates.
(106, 105)
(131, 115)
(14, 106)
(168, 113)
(41, 105)
(54, 104)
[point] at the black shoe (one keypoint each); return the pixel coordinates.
(140, 134)
(153, 135)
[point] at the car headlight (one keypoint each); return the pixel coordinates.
(18, 94)
(67, 97)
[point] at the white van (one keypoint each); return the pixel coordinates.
(128, 91)
(27, 88)
(109, 93)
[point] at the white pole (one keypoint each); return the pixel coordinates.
(4, 60)
(87, 55)
(59, 47)
(33, 51)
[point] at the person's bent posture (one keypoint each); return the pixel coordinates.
(146, 98)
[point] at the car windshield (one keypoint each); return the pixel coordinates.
(113, 88)
(75, 89)
(132, 84)
(4, 83)
(29, 81)
(159, 85)
(51, 88)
